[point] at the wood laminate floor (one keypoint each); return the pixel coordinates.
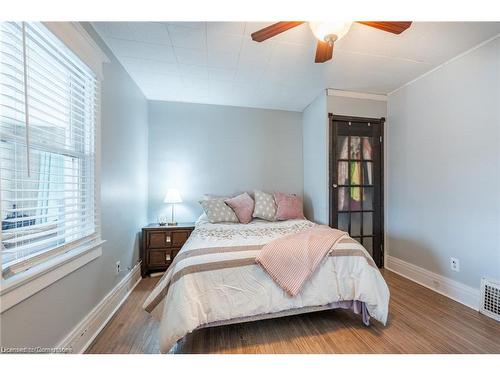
(420, 321)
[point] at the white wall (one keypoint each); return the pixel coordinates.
(48, 316)
(444, 164)
(315, 163)
(201, 148)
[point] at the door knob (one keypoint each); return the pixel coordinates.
(335, 186)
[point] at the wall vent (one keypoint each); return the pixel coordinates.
(490, 298)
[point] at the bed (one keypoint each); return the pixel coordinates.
(214, 280)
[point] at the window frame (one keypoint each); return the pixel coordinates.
(59, 262)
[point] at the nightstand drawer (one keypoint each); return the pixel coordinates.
(159, 239)
(160, 258)
(179, 237)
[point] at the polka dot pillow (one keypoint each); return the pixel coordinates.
(265, 207)
(218, 211)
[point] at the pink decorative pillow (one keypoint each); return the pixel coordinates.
(242, 206)
(289, 206)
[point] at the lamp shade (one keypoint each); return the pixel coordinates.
(172, 196)
(325, 30)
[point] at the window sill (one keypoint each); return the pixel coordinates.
(19, 287)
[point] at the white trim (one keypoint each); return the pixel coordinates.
(81, 43)
(97, 159)
(18, 266)
(455, 290)
(19, 287)
(356, 95)
(445, 63)
(83, 335)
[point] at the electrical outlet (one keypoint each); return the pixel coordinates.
(455, 264)
(117, 270)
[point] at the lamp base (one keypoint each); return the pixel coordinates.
(172, 224)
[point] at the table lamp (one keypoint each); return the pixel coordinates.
(172, 197)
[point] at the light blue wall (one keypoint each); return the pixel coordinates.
(444, 168)
(358, 107)
(315, 135)
(315, 163)
(48, 316)
(199, 148)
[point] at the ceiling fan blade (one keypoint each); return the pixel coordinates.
(391, 27)
(324, 52)
(273, 30)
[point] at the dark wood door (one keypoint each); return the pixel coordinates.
(356, 180)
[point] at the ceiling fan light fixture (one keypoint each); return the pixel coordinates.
(329, 31)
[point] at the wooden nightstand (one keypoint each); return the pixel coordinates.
(160, 245)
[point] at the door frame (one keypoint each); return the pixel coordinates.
(332, 176)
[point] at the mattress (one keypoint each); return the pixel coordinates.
(214, 280)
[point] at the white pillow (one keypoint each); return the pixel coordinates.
(202, 219)
(218, 211)
(265, 207)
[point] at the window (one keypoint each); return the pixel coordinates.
(48, 114)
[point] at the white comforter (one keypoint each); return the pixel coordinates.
(191, 300)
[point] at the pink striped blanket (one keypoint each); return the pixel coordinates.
(292, 259)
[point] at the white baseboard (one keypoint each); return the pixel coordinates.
(450, 288)
(87, 330)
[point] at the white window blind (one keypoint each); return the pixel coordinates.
(48, 113)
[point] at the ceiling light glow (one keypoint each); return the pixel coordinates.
(329, 31)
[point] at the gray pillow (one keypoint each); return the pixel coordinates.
(218, 211)
(265, 207)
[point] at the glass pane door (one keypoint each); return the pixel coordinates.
(356, 181)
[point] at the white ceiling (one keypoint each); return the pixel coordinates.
(218, 63)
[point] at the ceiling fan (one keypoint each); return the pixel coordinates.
(327, 33)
